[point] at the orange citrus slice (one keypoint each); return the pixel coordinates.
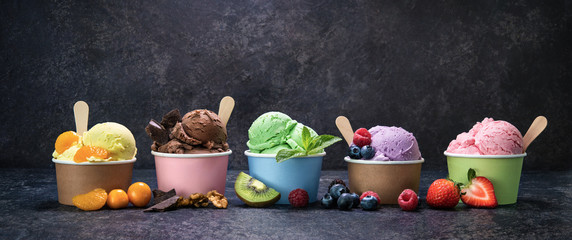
(90, 151)
(65, 141)
(91, 201)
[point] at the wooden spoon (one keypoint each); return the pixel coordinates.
(345, 128)
(81, 114)
(225, 109)
(537, 126)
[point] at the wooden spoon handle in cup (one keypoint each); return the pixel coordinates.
(345, 128)
(81, 114)
(225, 109)
(537, 126)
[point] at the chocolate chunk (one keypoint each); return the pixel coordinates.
(159, 196)
(171, 118)
(168, 204)
(157, 132)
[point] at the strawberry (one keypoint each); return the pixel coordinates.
(479, 193)
(362, 137)
(443, 193)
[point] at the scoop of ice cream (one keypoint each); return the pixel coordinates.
(269, 130)
(205, 126)
(198, 131)
(393, 144)
(274, 131)
(488, 137)
(113, 137)
(465, 144)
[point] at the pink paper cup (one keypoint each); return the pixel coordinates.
(191, 173)
(79, 178)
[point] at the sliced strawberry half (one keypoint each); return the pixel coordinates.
(479, 193)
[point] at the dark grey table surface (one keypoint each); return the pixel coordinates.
(29, 210)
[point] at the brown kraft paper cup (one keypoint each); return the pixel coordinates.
(387, 178)
(73, 178)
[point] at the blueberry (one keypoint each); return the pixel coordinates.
(369, 203)
(328, 201)
(354, 152)
(345, 201)
(367, 152)
(356, 199)
(337, 190)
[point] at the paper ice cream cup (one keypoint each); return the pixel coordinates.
(79, 178)
(387, 178)
(502, 170)
(300, 172)
(191, 173)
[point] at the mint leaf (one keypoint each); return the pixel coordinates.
(306, 137)
(314, 142)
(311, 145)
(321, 142)
(286, 154)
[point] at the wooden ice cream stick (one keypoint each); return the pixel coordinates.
(537, 126)
(81, 114)
(345, 128)
(225, 109)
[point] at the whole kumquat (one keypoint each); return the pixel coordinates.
(117, 199)
(139, 194)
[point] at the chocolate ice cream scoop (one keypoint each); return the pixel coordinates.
(205, 126)
(199, 131)
(177, 132)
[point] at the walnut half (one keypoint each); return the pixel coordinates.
(195, 200)
(217, 199)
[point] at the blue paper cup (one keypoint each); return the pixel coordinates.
(300, 172)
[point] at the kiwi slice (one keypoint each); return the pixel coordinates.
(253, 192)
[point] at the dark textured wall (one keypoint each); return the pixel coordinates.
(432, 67)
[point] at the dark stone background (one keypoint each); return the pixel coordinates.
(432, 67)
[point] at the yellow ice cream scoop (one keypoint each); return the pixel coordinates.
(115, 138)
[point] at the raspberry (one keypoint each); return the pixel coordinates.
(298, 198)
(362, 137)
(370, 193)
(408, 200)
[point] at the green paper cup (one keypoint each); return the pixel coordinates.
(502, 170)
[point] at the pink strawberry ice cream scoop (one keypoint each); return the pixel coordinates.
(394, 144)
(488, 137)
